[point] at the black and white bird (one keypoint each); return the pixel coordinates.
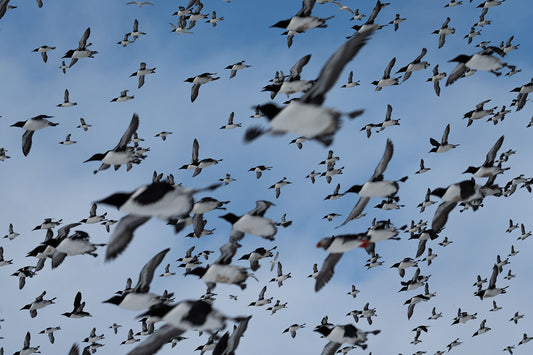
(27, 349)
(444, 31)
(77, 311)
(66, 102)
(158, 199)
(199, 80)
(43, 50)
(386, 80)
(135, 33)
(375, 186)
(30, 126)
(483, 60)
(140, 297)
(442, 146)
(196, 164)
(121, 154)
(436, 78)
(252, 222)
(415, 65)
(488, 169)
(82, 51)
(306, 117)
(343, 334)
(142, 72)
(236, 67)
(50, 332)
(39, 303)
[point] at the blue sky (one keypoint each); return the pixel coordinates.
(53, 182)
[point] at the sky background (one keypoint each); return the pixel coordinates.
(53, 182)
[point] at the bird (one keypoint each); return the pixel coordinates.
(336, 246)
(256, 255)
(139, 3)
(236, 67)
(252, 222)
(82, 51)
(143, 70)
(140, 297)
(388, 122)
(516, 317)
(386, 80)
(43, 50)
(83, 125)
(278, 185)
(196, 164)
(293, 328)
(230, 124)
(261, 300)
(343, 334)
(130, 339)
(415, 65)
(135, 33)
(214, 19)
(436, 78)
(488, 169)
(158, 199)
(67, 140)
(306, 117)
(478, 112)
(11, 233)
(491, 290)
(198, 80)
(350, 82)
(4, 262)
(396, 22)
(523, 92)
(301, 22)
(121, 154)
(442, 146)
(66, 102)
(126, 40)
(123, 97)
(27, 349)
(39, 303)
(375, 186)
(30, 126)
(483, 60)
(444, 31)
(434, 314)
(259, 169)
(78, 311)
(93, 337)
(50, 331)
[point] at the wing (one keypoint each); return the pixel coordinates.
(65, 230)
(389, 112)
(386, 73)
(357, 210)
(153, 343)
(262, 293)
(331, 348)
(26, 142)
(422, 54)
(147, 272)
(58, 258)
(334, 66)
(436, 86)
(456, 73)
(441, 216)
(375, 12)
(261, 206)
(27, 340)
(227, 252)
(77, 300)
(122, 234)
(126, 137)
(297, 68)
(194, 92)
(492, 281)
(327, 270)
(307, 7)
(228, 346)
(141, 81)
(445, 134)
(83, 40)
(491, 155)
(382, 165)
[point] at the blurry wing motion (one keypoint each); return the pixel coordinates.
(126, 137)
(441, 216)
(327, 270)
(147, 272)
(331, 348)
(122, 234)
(228, 343)
(153, 343)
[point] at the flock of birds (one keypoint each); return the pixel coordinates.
(168, 318)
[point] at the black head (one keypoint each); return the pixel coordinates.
(355, 189)
(96, 157)
(189, 80)
(438, 192)
(18, 124)
(281, 24)
(198, 271)
(116, 300)
(323, 330)
(270, 110)
(471, 170)
(116, 200)
(461, 58)
(230, 217)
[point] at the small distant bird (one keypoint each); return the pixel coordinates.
(143, 70)
(78, 311)
(415, 65)
(163, 135)
(4, 262)
(63, 67)
(278, 185)
(30, 126)
(67, 141)
(123, 97)
(386, 80)
(83, 125)
(350, 82)
(436, 78)
(230, 124)
(27, 349)
(82, 51)
(126, 40)
(343, 334)
(396, 22)
(197, 81)
(388, 122)
(235, 67)
(214, 19)
(43, 50)
(11, 233)
(136, 33)
(139, 3)
(226, 180)
(444, 31)
(293, 328)
(259, 170)
(442, 146)
(66, 102)
(50, 331)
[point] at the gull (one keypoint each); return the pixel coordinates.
(139, 3)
